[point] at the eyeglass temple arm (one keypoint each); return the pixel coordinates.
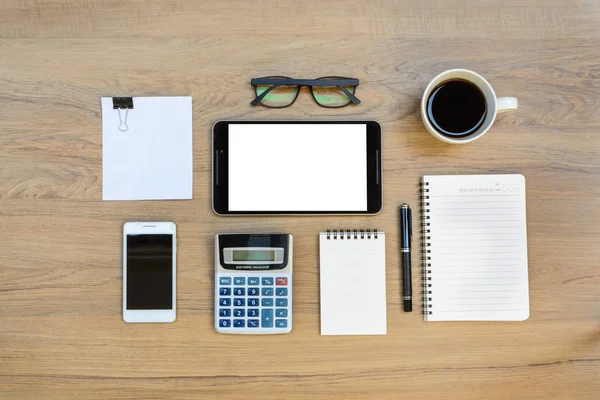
(259, 98)
(352, 97)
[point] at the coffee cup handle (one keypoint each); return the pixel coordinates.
(507, 104)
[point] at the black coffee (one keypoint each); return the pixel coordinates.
(456, 108)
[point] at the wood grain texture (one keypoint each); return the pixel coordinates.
(61, 332)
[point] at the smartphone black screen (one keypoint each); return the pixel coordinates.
(150, 272)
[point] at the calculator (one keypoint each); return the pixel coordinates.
(253, 283)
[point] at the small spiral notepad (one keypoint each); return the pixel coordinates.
(352, 265)
(474, 248)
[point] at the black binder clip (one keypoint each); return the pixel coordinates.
(119, 104)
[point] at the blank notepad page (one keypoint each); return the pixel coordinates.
(352, 274)
(475, 243)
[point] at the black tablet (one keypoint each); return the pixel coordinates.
(286, 167)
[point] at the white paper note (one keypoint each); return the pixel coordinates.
(153, 159)
(352, 272)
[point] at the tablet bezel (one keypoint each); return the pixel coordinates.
(220, 161)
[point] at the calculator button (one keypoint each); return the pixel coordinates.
(282, 281)
(252, 302)
(239, 323)
(281, 323)
(239, 292)
(239, 312)
(225, 302)
(225, 323)
(224, 312)
(225, 281)
(267, 318)
(281, 313)
(225, 291)
(267, 291)
(252, 291)
(239, 281)
(281, 302)
(252, 312)
(281, 291)
(239, 302)
(253, 281)
(267, 302)
(267, 281)
(252, 323)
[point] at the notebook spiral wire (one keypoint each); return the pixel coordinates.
(425, 247)
(347, 234)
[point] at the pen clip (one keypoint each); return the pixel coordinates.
(409, 216)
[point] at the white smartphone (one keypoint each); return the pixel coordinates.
(149, 253)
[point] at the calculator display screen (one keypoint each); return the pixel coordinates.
(253, 252)
(253, 255)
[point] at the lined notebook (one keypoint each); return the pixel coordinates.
(352, 269)
(474, 248)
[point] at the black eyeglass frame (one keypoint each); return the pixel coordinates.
(276, 81)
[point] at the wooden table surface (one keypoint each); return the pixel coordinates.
(61, 331)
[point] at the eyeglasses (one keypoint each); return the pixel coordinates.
(282, 91)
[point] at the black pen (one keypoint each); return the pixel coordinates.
(405, 241)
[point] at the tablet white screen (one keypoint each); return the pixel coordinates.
(297, 167)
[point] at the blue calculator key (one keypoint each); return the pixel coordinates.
(225, 312)
(281, 302)
(224, 323)
(267, 281)
(225, 302)
(239, 302)
(252, 302)
(252, 312)
(239, 292)
(281, 291)
(281, 323)
(267, 302)
(239, 280)
(239, 323)
(267, 318)
(239, 312)
(225, 291)
(252, 291)
(252, 323)
(225, 281)
(253, 281)
(281, 313)
(267, 291)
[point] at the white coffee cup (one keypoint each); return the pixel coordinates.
(494, 104)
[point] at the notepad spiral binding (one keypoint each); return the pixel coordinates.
(425, 248)
(350, 233)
